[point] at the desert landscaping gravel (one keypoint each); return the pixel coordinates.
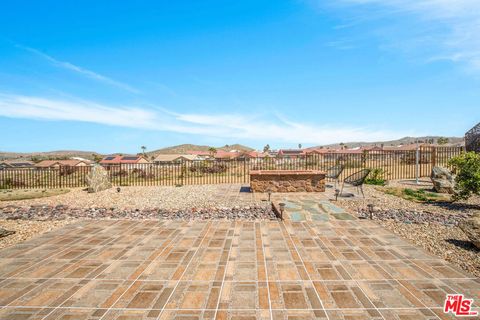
(449, 243)
(431, 226)
(62, 212)
(194, 196)
(25, 230)
(35, 216)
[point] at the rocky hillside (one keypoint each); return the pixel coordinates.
(60, 154)
(402, 141)
(184, 148)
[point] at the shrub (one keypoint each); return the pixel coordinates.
(467, 169)
(376, 177)
(205, 168)
(66, 170)
(120, 173)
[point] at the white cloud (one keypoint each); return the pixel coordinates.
(272, 129)
(444, 29)
(82, 71)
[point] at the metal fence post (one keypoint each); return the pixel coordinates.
(120, 173)
(417, 164)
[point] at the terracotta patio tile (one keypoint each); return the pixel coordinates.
(286, 271)
(342, 294)
(160, 270)
(76, 313)
(179, 314)
(299, 314)
(365, 270)
(358, 314)
(12, 289)
(24, 313)
(408, 314)
(186, 269)
(404, 269)
(293, 295)
(98, 294)
(146, 295)
(433, 292)
(130, 315)
(244, 295)
(50, 293)
(440, 269)
(389, 294)
(195, 295)
(11, 267)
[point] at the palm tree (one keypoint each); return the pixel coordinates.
(266, 148)
(212, 151)
(143, 150)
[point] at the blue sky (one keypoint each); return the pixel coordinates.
(111, 76)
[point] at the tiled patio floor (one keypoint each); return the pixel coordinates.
(122, 269)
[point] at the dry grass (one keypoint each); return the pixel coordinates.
(416, 195)
(24, 194)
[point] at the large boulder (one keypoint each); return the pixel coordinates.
(471, 227)
(98, 179)
(443, 180)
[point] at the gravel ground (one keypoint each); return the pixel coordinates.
(25, 230)
(433, 227)
(62, 212)
(386, 201)
(449, 243)
(195, 196)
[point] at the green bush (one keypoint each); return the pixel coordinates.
(376, 177)
(467, 169)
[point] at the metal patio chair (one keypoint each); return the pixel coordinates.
(334, 173)
(356, 180)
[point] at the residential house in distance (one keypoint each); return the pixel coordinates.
(228, 155)
(175, 158)
(16, 164)
(291, 153)
(130, 161)
(255, 154)
(61, 163)
(201, 155)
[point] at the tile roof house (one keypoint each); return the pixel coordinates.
(115, 160)
(291, 153)
(256, 154)
(220, 154)
(61, 163)
(19, 163)
(175, 158)
(225, 155)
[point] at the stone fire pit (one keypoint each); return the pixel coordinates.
(287, 181)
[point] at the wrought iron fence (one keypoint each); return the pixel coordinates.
(395, 164)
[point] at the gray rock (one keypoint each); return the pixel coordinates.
(471, 227)
(52, 213)
(443, 180)
(5, 233)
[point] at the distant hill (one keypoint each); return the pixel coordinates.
(60, 154)
(452, 141)
(66, 154)
(184, 148)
